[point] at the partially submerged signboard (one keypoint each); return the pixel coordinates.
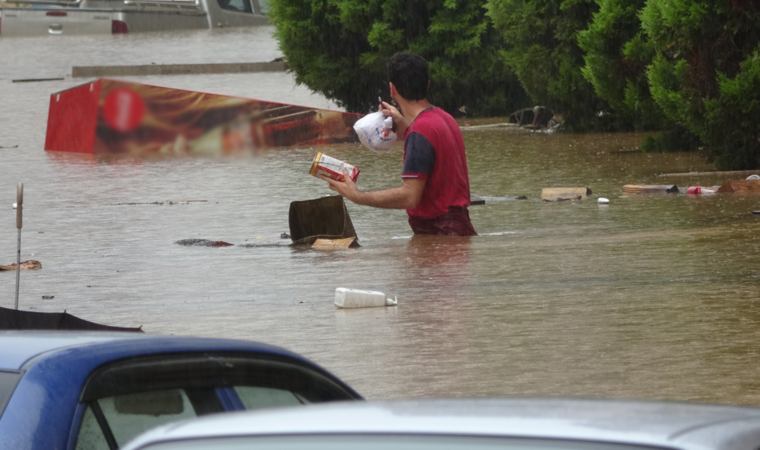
(117, 117)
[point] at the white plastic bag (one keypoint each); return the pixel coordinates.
(376, 131)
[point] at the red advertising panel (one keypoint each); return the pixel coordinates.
(72, 116)
(117, 117)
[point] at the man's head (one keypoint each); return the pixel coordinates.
(409, 74)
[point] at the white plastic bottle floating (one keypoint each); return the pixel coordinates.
(358, 298)
(603, 201)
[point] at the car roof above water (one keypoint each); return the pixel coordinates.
(19, 347)
(655, 424)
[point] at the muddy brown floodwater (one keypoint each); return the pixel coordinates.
(648, 297)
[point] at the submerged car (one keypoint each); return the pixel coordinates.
(26, 18)
(519, 424)
(98, 390)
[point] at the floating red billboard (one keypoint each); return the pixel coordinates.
(117, 117)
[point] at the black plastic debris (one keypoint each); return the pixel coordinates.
(475, 200)
(321, 218)
(11, 319)
(202, 243)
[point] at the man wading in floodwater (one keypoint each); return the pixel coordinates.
(436, 189)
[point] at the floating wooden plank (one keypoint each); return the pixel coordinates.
(650, 189)
(697, 174)
(176, 69)
(558, 194)
(328, 244)
(740, 186)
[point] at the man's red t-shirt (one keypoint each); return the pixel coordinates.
(434, 150)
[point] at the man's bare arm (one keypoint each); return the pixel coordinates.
(406, 196)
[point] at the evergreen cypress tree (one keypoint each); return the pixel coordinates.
(617, 55)
(706, 73)
(542, 49)
(339, 48)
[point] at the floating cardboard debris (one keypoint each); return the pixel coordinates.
(328, 244)
(650, 189)
(321, 218)
(26, 265)
(118, 117)
(740, 186)
(559, 194)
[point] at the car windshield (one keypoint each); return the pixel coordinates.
(384, 442)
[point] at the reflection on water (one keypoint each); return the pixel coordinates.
(650, 296)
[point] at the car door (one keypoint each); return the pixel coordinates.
(125, 398)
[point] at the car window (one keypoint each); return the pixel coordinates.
(120, 418)
(131, 414)
(8, 382)
(385, 442)
(236, 5)
(90, 435)
(128, 397)
(254, 397)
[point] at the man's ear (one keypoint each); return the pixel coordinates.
(394, 92)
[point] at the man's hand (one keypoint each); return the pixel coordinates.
(346, 188)
(400, 123)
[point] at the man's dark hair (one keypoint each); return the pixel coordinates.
(409, 73)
